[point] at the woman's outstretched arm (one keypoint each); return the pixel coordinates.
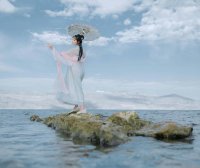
(64, 57)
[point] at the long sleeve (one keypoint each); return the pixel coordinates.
(68, 86)
(67, 58)
(72, 55)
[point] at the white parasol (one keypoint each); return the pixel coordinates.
(89, 32)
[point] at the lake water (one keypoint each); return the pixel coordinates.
(27, 144)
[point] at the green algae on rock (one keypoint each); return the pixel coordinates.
(165, 130)
(35, 118)
(88, 128)
(112, 130)
(129, 121)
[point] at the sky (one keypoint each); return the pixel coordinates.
(145, 47)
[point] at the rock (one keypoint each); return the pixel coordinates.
(35, 118)
(87, 128)
(113, 130)
(129, 120)
(48, 121)
(112, 135)
(165, 130)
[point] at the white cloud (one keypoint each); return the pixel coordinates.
(8, 68)
(27, 85)
(164, 21)
(30, 101)
(161, 20)
(101, 41)
(70, 11)
(98, 100)
(115, 86)
(7, 7)
(4, 43)
(104, 7)
(105, 94)
(57, 38)
(27, 15)
(115, 16)
(100, 8)
(52, 37)
(151, 88)
(127, 21)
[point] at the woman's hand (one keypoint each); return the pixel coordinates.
(50, 46)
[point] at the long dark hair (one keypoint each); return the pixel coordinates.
(79, 39)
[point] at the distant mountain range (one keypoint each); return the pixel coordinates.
(100, 100)
(175, 96)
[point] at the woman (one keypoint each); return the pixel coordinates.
(69, 88)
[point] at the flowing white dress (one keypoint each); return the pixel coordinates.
(69, 86)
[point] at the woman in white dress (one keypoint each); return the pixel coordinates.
(69, 87)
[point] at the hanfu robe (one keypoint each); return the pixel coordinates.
(69, 84)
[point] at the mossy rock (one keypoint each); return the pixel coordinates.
(113, 130)
(35, 118)
(129, 120)
(87, 128)
(166, 130)
(112, 135)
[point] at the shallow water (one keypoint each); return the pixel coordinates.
(26, 144)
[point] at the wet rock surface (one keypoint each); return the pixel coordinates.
(165, 130)
(113, 130)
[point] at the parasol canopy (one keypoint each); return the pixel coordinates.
(89, 32)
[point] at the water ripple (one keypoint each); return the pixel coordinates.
(30, 144)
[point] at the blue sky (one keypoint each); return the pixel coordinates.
(146, 47)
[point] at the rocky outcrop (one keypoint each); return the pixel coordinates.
(129, 121)
(165, 130)
(113, 130)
